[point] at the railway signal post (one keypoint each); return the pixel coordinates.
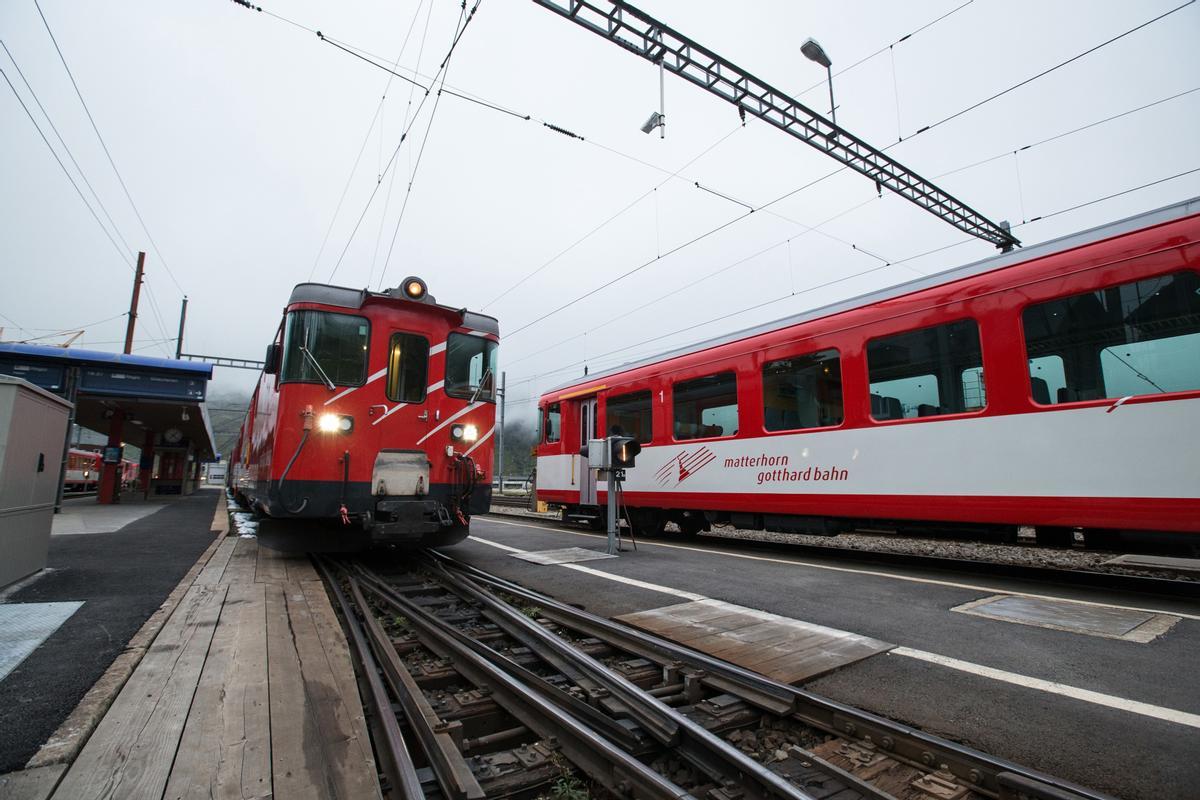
(610, 458)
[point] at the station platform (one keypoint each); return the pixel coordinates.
(239, 685)
(1084, 684)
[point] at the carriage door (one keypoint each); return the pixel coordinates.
(587, 431)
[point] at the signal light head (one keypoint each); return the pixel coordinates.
(414, 288)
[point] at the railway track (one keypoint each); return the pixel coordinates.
(1162, 587)
(510, 500)
(503, 692)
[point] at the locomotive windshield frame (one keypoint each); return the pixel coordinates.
(471, 367)
(337, 345)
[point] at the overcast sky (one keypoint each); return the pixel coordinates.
(236, 133)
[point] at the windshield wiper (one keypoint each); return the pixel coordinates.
(482, 382)
(313, 359)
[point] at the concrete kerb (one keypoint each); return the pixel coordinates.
(65, 743)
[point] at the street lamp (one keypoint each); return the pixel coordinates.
(813, 51)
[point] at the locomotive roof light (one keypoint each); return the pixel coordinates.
(414, 288)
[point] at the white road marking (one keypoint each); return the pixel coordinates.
(1074, 692)
(1086, 695)
(876, 573)
(654, 587)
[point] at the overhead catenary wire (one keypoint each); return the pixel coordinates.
(403, 137)
(695, 282)
(387, 201)
(65, 148)
(444, 70)
(123, 256)
(367, 138)
(827, 175)
(1049, 70)
(841, 279)
(107, 154)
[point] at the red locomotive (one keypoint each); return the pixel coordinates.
(374, 415)
(1056, 387)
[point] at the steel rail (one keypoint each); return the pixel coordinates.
(453, 775)
(604, 762)
(991, 774)
(706, 751)
(409, 783)
(569, 703)
(645, 36)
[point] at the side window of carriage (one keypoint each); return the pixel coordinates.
(803, 392)
(408, 368)
(706, 407)
(927, 372)
(632, 414)
(1137, 338)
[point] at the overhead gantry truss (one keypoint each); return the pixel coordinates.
(640, 33)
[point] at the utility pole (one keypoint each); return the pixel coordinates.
(182, 319)
(133, 303)
(500, 432)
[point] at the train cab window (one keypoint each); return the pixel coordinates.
(927, 372)
(803, 392)
(471, 367)
(632, 414)
(1141, 337)
(408, 365)
(706, 407)
(552, 423)
(324, 347)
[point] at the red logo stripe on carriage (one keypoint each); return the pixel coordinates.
(683, 466)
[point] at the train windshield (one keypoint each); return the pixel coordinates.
(323, 347)
(471, 367)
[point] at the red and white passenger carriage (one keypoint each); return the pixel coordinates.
(1057, 386)
(374, 414)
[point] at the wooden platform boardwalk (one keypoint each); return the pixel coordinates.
(247, 692)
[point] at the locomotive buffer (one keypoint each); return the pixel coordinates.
(610, 457)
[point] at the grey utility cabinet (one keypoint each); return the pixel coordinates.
(33, 430)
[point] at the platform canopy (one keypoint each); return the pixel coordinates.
(162, 397)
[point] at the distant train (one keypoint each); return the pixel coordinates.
(372, 420)
(1056, 387)
(83, 470)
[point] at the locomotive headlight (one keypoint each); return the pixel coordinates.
(470, 433)
(335, 423)
(457, 431)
